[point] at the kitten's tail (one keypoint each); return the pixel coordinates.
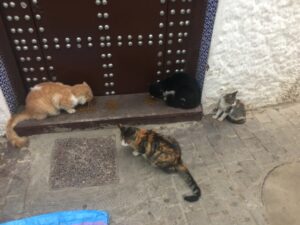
(239, 121)
(11, 134)
(185, 173)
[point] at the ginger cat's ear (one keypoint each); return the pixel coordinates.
(85, 83)
(120, 125)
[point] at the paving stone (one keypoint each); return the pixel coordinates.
(264, 136)
(19, 182)
(258, 215)
(197, 217)
(227, 129)
(14, 205)
(253, 125)
(253, 144)
(243, 132)
(276, 117)
(222, 217)
(3, 187)
(239, 175)
(251, 169)
(240, 214)
(210, 126)
(270, 126)
(263, 157)
(285, 135)
(228, 162)
(175, 216)
(209, 159)
(275, 149)
(296, 107)
(287, 111)
(262, 117)
(292, 150)
(295, 121)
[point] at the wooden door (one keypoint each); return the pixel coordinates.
(118, 47)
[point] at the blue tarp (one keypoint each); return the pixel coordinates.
(77, 217)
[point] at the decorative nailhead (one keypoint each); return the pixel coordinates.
(23, 5)
(27, 17)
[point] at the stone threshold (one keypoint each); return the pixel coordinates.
(107, 111)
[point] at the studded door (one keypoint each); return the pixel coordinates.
(117, 46)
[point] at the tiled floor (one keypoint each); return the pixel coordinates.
(230, 163)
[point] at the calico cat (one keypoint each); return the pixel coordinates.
(179, 90)
(237, 113)
(224, 105)
(47, 99)
(162, 152)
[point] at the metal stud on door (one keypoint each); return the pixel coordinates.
(24, 40)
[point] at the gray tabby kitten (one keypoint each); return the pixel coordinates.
(224, 105)
(237, 113)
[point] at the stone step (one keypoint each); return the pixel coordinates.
(107, 111)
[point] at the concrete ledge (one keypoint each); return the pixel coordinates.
(109, 111)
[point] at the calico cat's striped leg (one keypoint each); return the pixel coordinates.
(169, 170)
(135, 153)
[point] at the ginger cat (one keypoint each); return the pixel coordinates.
(47, 99)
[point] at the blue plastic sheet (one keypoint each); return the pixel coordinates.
(77, 217)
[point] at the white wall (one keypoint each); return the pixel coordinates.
(256, 50)
(4, 113)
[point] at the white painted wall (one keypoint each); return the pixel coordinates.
(4, 113)
(256, 50)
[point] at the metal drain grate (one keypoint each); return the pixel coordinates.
(83, 162)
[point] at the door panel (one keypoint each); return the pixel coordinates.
(118, 47)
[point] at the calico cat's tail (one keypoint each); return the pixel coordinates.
(11, 134)
(185, 173)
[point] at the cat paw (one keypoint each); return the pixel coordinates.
(54, 113)
(135, 153)
(214, 117)
(220, 119)
(123, 143)
(71, 111)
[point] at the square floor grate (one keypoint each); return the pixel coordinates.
(83, 162)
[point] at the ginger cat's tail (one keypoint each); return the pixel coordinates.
(11, 134)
